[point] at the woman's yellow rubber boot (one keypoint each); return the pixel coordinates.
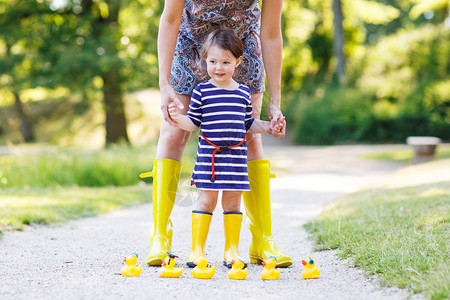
(200, 228)
(258, 208)
(232, 228)
(166, 174)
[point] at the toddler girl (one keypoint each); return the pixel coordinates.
(222, 109)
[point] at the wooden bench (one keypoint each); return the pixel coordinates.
(424, 147)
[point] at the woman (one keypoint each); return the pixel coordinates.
(184, 25)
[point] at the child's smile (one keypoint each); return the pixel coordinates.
(221, 65)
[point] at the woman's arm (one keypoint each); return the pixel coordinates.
(272, 47)
(169, 25)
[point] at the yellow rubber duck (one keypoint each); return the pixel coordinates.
(238, 270)
(269, 272)
(168, 269)
(202, 270)
(310, 271)
(130, 268)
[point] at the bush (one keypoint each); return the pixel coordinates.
(339, 116)
(400, 87)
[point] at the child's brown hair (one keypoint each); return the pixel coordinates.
(224, 38)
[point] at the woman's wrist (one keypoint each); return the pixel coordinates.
(275, 101)
(164, 85)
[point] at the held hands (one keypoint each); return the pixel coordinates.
(181, 121)
(173, 114)
(169, 99)
(277, 127)
(277, 121)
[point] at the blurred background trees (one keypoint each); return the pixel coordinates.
(353, 70)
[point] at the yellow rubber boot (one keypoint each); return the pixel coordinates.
(200, 228)
(258, 208)
(232, 228)
(166, 174)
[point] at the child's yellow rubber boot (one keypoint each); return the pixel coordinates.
(232, 228)
(258, 208)
(200, 228)
(166, 174)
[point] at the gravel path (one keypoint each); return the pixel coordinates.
(82, 259)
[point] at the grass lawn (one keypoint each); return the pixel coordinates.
(53, 185)
(398, 231)
(442, 152)
(54, 205)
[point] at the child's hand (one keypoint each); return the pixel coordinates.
(278, 127)
(173, 111)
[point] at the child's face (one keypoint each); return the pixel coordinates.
(220, 65)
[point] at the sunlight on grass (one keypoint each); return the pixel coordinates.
(400, 232)
(406, 156)
(45, 185)
(116, 166)
(53, 205)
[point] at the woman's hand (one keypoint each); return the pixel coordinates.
(169, 100)
(277, 121)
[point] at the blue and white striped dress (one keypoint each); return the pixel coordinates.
(224, 117)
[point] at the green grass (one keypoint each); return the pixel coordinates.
(116, 166)
(398, 231)
(55, 205)
(53, 185)
(406, 156)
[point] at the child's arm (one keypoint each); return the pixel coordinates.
(183, 122)
(260, 126)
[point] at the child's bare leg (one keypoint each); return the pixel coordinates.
(207, 201)
(231, 201)
(232, 219)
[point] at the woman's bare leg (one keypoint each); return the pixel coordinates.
(257, 201)
(166, 173)
(254, 143)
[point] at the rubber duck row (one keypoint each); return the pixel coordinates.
(203, 270)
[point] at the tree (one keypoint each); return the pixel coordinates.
(113, 40)
(338, 39)
(76, 43)
(19, 58)
(102, 17)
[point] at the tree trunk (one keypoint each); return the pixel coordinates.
(26, 128)
(116, 125)
(339, 39)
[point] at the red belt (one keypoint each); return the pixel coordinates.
(219, 149)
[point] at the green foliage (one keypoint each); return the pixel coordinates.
(400, 87)
(83, 46)
(332, 115)
(74, 44)
(421, 6)
(373, 12)
(20, 27)
(398, 233)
